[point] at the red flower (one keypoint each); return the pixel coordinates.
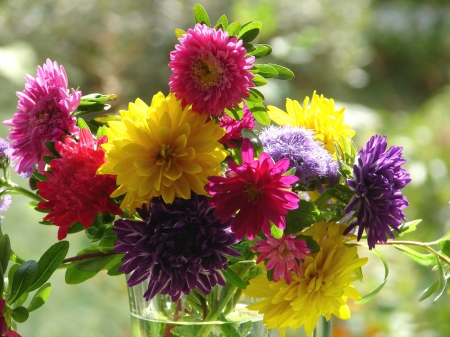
(257, 189)
(5, 331)
(234, 127)
(74, 191)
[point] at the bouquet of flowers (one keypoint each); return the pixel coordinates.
(188, 199)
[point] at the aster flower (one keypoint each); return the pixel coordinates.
(257, 190)
(5, 153)
(234, 127)
(73, 191)
(320, 116)
(321, 288)
(210, 70)
(161, 150)
(378, 177)
(5, 331)
(313, 164)
(284, 254)
(5, 201)
(43, 115)
(179, 246)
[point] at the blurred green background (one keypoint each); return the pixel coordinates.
(387, 61)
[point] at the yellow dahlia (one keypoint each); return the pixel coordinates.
(320, 115)
(322, 287)
(161, 150)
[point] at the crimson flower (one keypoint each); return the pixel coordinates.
(234, 127)
(284, 254)
(210, 70)
(74, 191)
(257, 191)
(5, 331)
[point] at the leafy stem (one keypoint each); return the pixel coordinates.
(84, 257)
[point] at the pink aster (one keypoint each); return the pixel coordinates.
(43, 115)
(210, 70)
(284, 255)
(257, 190)
(74, 192)
(234, 127)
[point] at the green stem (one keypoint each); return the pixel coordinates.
(65, 264)
(225, 296)
(20, 190)
(423, 245)
(323, 328)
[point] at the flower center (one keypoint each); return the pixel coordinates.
(207, 72)
(166, 155)
(251, 192)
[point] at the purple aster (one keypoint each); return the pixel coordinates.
(5, 153)
(210, 70)
(179, 246)
(5, 201)
(43, 115)
(314, 165)
(378, 177)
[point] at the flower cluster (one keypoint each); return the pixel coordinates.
(183, 194)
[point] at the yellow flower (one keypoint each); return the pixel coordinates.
(161, 150)
(322, 287)
(327, 123)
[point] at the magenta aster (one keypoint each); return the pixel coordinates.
(284, 255)
(257, 190)
(234, 127)
(210, 70)
(73, 191)
(43, 115)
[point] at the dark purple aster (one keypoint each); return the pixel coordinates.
(378, 177)
(314, 165)
(179, 246)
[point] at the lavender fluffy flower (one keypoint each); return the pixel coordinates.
(5, 153)
(313, 163)
(378, 177)
(5, 201)
(179, 246)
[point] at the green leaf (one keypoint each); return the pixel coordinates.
(40, 297)
(234, 28)
(86, 269)
(11, 272)
(200, 15)
(259, 50)
(109, 118)
(266, 70)
(256, 142)
(423, 259)
(245, 328)
(310, 242)
(283, 72)
(82, 124)
(445, 247)
(233, 278)
(107, 241)
(259, 81)
(229, 330)
(409, 227)
(429, 291)
(235, 113)
(250, 31)
(75, 275)
(259, 112)
(49, 262)
(179, 32)
(255, 96)
(75, 228)
(275, 232)
(442, 280)
(5, 251)
(21, 300)
(368, 297)
(186, 330)
(305, 215)
(223, 21)
(114, 270)
(92, 99)
(2, 280)
(101, 131)
(51, 147)
(20, 314)
(290, 172)
(23, 278)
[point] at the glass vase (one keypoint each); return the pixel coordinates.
(219, 314)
